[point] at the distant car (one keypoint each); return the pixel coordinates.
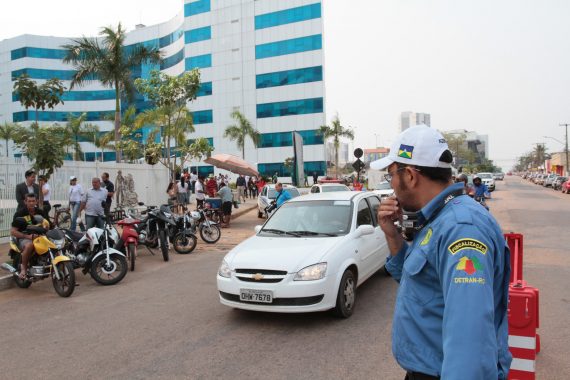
(268, 194)
(310, 256)
(487, 179)
(565, 188)
(384, 190)
(328, 187)
(557, 184)
(499, 176)
(549, 179)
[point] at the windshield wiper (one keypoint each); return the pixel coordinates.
(280, 232)
(313, 233)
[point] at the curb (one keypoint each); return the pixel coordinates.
(6, 282)
(243, 208)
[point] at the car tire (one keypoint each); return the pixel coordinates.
(346, 296)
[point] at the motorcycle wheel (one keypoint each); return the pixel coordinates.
(163, 244)
(63, 220)
(109, 274)
(185, 243)
(132, 255)
(19, 282)
(212, 234)
(66, 285)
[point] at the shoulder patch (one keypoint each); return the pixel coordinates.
(462, 244)
(427, 237)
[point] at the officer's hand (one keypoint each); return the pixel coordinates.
(388, 212)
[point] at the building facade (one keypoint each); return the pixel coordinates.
(374, 154)
(263, 57)
(409, 119)
(473, 142)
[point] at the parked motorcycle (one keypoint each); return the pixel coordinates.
(47, 260)
(209, 230)
(94, 252)
(129, 239)
(152, 229)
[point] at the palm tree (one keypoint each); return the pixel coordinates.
(241, 131)
(110, 63)
(77, 129)
(539, 155)
(336, 131)
(103, 141)
(7, 132)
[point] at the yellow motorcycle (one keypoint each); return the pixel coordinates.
(46, 260)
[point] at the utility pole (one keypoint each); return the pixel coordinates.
(566, 149)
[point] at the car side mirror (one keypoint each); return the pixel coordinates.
(363, 230)
(257, 228)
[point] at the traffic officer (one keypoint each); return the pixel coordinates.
(450, 319)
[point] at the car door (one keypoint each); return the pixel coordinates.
(366, 249)
(381, 251)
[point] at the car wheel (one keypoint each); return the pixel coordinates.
(346, 297)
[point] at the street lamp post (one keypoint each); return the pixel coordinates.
(376, 139)
(566, 149)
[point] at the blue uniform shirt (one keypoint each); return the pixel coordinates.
(450, 318)
(282, 197)
(481, 190)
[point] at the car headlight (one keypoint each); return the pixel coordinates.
(311, 273)
(224, 270)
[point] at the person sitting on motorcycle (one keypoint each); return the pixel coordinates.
(462, 177)
(22, 219)
(480, 189)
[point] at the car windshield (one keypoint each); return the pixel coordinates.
(485, 175)
(310, 219)
(328, 189)
(384, 186)
(272, 193)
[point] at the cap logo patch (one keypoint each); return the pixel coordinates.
(405, 151)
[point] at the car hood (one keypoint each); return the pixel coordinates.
(289, 254)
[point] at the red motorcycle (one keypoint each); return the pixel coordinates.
(129, 239)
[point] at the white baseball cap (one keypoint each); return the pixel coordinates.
(72, 178)
(419, 145)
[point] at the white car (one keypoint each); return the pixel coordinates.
(309, 256)
(384, 190)
(487, 179)
(328, 187)
(268, 195)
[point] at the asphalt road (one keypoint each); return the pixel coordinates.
(164, 320)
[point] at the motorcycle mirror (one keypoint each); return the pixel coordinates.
(141, 203)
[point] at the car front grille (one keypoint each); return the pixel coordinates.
(262, 271)
(260, 275)
(298, 301)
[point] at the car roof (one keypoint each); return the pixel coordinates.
(329, 184)
(333, 196)
(285, 186)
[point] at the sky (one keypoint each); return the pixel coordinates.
(500, 68)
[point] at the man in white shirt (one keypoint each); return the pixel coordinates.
(200, 193)
(75, 195)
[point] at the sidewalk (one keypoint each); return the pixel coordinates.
(6, 281)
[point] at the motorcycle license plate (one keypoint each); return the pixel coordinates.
(253, 295)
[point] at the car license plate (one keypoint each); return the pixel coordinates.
(253, 295)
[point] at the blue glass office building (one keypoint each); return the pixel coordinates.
(263, 57)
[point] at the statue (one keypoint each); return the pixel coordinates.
(119, 188)
(125, 190)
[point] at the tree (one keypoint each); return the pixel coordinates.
(47, 94)
(171, 118)
(45, 146)
(539, 155)
(336, 131)
(288, 164)
(458, 146)
(241, 131)
(77, 129)
(109, 62)
(197, 150)
(103, 141)
(8, 132)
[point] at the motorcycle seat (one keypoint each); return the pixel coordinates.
(57, 205)
(73, 235)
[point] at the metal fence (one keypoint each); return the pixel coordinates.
(150, 182)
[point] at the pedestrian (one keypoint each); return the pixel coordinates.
(211, 186)
(108, 185)
(29, 186)
(193, 179)
(315, 178)
(251, 187)
(306, 184)
(225, 193)
(76, 194)
(45, 195)
(93, 202)
(182, 188)
(240, 184)
(275, 178)
(172, 192)
(450, 318)
(200, 193)
(260, 184)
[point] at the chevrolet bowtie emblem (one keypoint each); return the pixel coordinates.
(258, 277)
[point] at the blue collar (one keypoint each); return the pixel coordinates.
(435, 204)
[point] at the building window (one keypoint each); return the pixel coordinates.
(205, 89)
(34, 52)
(44, 74)
(198, 34)
(288, 16)
(172, 60)
(280, 139)
(292, 46)
(196, 7)
(292, 107)
(74, 96)
(202, 117)
(199, 61)
(58, 115)
(288, 77)
(268, 169)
